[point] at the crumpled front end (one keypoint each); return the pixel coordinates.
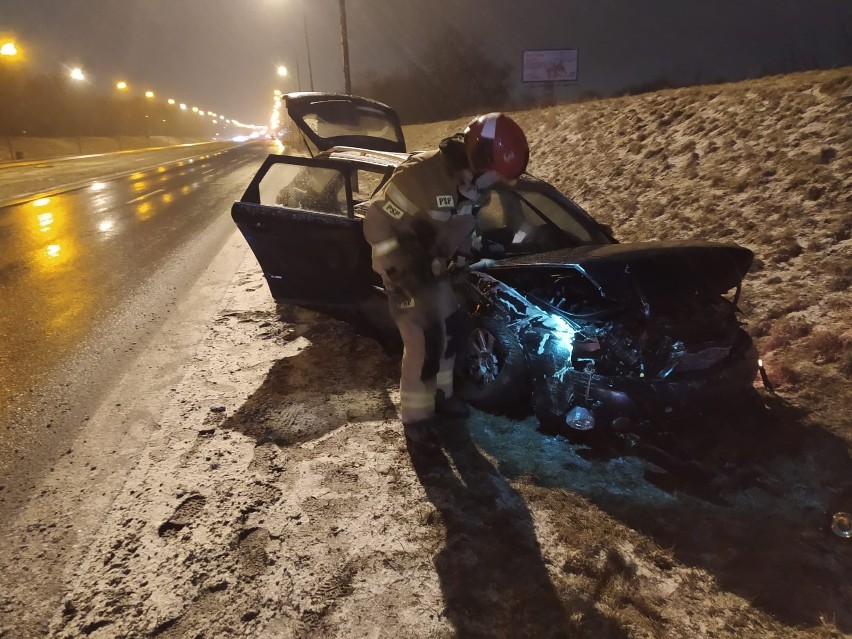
(619, 355)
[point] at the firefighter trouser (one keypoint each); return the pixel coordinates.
(426, 326)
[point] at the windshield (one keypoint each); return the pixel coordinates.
(526, 220)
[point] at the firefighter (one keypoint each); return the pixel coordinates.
(417, 224)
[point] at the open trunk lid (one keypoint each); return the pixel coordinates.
(327, 120)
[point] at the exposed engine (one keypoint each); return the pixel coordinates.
(618, 348)
(635, 338)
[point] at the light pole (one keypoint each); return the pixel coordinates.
(149, 95)
(123, 89)
(344, 43)
(307, 45)
(76, 74)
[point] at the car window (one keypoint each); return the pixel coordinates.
(524, 220)
(308, 188)
(558, 214)
(330, 120)
(364, 184)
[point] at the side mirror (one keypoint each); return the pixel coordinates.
(606, 228)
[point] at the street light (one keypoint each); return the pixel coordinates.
(77, 105)
(171, 101)
(121, 85)
(283, 72)
(8, 49)
(149, 94)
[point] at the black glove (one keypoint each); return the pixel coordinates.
(414, 273)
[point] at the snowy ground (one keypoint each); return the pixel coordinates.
(267, 492)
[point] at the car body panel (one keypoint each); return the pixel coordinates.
(284, 241)
(313, 252)
(655, 270)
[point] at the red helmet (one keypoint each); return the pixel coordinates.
(495, 142)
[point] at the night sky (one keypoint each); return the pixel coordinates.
(221, 55)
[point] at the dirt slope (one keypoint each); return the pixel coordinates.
(274, 497)
(764, 163)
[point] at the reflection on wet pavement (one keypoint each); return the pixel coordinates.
(69, 259)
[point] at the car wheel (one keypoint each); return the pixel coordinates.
(491, 369)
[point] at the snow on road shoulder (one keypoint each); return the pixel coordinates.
(267, 489)
(275, 497)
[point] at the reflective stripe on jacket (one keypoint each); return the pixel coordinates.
(420, 201)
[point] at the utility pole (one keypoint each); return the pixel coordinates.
(307, 45)
(347, 83)
(344, 41)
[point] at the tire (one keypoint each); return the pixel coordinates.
(491, 369)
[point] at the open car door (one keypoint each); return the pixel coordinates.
(297, 215)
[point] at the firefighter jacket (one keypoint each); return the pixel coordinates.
(417, 222)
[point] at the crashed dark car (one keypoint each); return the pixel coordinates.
(589, 332)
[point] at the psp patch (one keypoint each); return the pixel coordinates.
(393, 210)
(445, 201)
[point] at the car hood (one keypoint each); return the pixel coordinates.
(656, 269)
(331, 119)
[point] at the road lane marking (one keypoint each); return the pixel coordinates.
(142, 197)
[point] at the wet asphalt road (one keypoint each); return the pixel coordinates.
(85, 274)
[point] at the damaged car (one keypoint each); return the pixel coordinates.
(592, 334)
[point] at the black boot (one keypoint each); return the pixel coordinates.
(421, 435)
(450, 406)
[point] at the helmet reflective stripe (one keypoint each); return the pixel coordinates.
(386, 246)
(489, 125)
